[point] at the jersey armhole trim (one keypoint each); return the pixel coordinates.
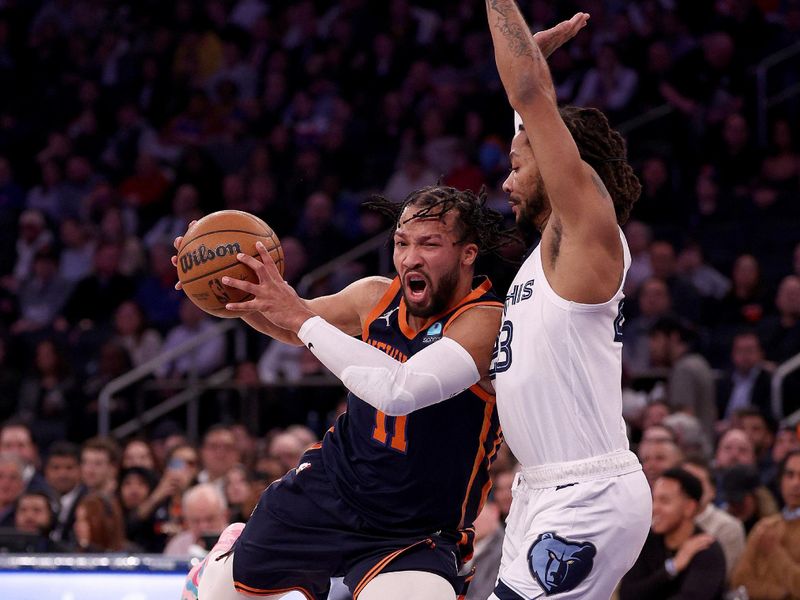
(380, 307)
(466, 307)
(565, 304)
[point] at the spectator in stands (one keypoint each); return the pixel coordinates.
(734, 448)
(218, 455)
(200, 361)
(34, 513)
(117, 226)
(77, 251)
(42, 295)
(287, 449)
(685, 299)
(9, 382)
(185, 209)
(786, 441)
(99, 526)
(608, 86)
(205, 514)
(158, 516)
(138, 453)
(11, 487)
(239, 494)
(99, 465)
(140, 341)
(48, 395)
(136, 484)
(770, 566)
(16, 438)
(689, 434)
(748, 301)
(748, 383)
(156, 293)
(412, 175)
(780, 334)
(726, 529)
(317, 231)
(33, 237)
(657, 457)
(710, 284)
(761, 435)
(95, 298)
(63, 474)
(690, 385)
(489, 534)
(679, 560)
(47, 195)
(654, 414)
(654, 303)
(744, 497)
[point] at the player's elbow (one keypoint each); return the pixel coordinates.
(529, 91)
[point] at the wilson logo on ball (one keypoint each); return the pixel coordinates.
(203, 255)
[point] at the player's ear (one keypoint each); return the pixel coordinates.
(469, 254)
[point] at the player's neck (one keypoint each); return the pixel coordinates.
(676, 537)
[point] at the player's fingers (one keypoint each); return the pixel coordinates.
(269, 262)
(177, 242)
(179, 286)
(254, 264)
(244, 307)
(245, 286)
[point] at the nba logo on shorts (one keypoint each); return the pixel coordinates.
(558, 564)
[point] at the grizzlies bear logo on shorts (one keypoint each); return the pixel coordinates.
(558, 564)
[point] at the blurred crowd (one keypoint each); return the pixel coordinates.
(123, 121)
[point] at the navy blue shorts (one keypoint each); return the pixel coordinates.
(301, 534)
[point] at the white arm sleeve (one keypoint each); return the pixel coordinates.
(432, 375)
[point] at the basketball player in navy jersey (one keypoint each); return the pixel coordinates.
(388, 498)
(581, 509)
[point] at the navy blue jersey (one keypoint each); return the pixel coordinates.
(427, 471)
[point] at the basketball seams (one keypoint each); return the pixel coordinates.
(261, 234)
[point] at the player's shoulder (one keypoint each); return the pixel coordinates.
(373, 287)
(477, 318)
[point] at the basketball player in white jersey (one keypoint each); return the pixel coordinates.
(581, 505)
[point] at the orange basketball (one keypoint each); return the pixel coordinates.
(208, 253)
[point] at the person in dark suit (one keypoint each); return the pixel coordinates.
(63, 474)
(748, 383)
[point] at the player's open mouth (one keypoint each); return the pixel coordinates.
(416, 286)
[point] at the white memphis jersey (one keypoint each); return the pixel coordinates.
(557, 367)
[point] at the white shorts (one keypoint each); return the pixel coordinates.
(574, 529)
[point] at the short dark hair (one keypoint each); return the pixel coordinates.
(104, 444)
(64, 449)
(690, 485)
(672, 324)
(784, 463)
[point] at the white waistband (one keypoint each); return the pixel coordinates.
(597, 467)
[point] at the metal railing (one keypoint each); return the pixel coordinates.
(764, 101)
(778, 378)
(152, 366)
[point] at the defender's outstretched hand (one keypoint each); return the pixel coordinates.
(552, 39)
(272, 296)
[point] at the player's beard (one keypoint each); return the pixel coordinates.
(441, 295)
(530, 210)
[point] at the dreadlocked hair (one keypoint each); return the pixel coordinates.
(604, 149)
(477, 223)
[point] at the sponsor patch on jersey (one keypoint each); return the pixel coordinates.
(434, 333)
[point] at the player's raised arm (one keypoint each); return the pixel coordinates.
(576, 194)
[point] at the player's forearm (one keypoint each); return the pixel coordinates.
(522, 67)
(432, 375)
(260, 323)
